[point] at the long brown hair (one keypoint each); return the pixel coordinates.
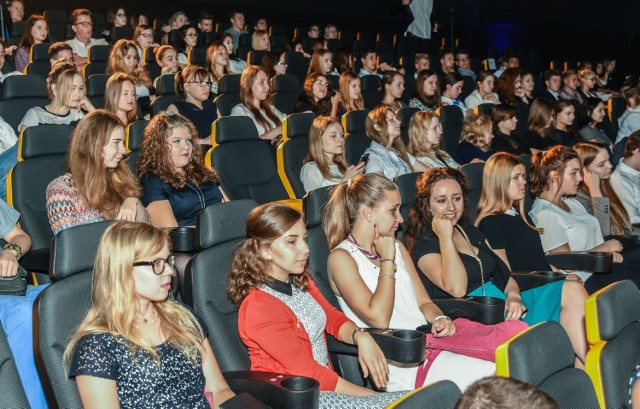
(116, 62)
(316, 150)
(540, 115)
(347, 103)
(543, 163)
(247, 78)
(378, 117)
(112, 95)
(27, 38)
(101, 188)
(315, 65)
(249, 268)
(620, 222)
(432, 101)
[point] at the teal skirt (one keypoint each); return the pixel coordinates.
(543, 303)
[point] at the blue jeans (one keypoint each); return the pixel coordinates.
(8, 159)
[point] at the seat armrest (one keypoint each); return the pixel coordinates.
(276, 390)
(487, 310)
(626, 241)
(531, 279)
(183, 239)
(243, 401)
(401, 345)
(595, 262)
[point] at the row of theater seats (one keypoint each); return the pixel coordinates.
(612, 325)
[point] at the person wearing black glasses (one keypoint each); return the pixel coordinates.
(193, 86)
(82, 25)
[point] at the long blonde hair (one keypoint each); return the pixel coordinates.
(117, 64)
(114, 298)
(346, 78)
(418, 128)
(316, 150)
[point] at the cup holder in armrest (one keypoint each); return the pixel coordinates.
(595, 262)
(183, 239)
(531, 279)
(400, 345)
(487, 310)
(276, 390)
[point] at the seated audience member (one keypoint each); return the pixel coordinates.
(392, 86)
(4, 50)
(236, 65)
(564, 115)
(117, 349)
(313, 31)
(61, 50)
(261, 24)
(588, 84)
(115, 18)
(8, 154)
(136, 19)
(456, 257)
(97, 184)
(143, 37)
(318, 97)
(427, 95)
(193, 86)
(369, 60)
(322, 63)
(387, 153)
(35, 32)
(421, 62)
(120, 98)
(344, 60)
(528, 84)
(504, 124)
(374, 278)
(483, 94)
(189, 41)
(124, 58)
(596, 194)
(425, 134)
(512, 236)
(236, 30)
(167, 60)
(475, 140)
(502, 65)
(451, 88)
(539, 127)
(273, 64)
(217, 64)
(463, 64)
(205, 22)
(68, 99)
(255, 102)
(629, 121)
(176, 185)
(260, 41)
(552, 82)
(175, 22)
(82, 26)
(570, 84)
(350, 93)
(593, 114)
(509, 86)
(17, 241)
(505, 393)
(16, 10)
(608, 79)
(270, 282)
(625, 180)
(325, 163)
(447, 63)
(330, 32)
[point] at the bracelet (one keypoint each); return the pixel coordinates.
(353, 335)
(15, 247)
(440, 317)
(395, 266)
(386, 276)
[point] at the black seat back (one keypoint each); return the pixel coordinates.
(96, 87)
(452, 119)
(13, 395)
(473, 173)
(370, 91)
(405, 115)
(286, 89)
(19, 94)
(293, 149)
(356, 139)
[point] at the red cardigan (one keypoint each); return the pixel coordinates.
(277, 341)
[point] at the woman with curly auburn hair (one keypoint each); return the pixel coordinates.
(255, 102)
(124, 58)
(283, 315)
(97, 184)
(133, 334)
(425, 134)
(350, 92)
(120, 98)
(176, 185)
(217, 63)
(193, 86)
(475, 140)
(325, 163)
(318, 96)
(427, 95)
(509, 86)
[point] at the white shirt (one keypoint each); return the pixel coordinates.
(437, 163)
(312, 179)
(577, 228)
(421, 24)
(8, 136)
(40, 116)
(81, 49)
(625, 180)
(474, 99)
(449, 101)
(628, 123)
(364, 72)
(387, 161)
(241, 110)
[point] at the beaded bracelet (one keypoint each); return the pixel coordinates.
(386, 276)
(440, 317)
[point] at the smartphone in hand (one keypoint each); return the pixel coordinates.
(364, 158)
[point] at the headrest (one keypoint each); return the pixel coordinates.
(245, 39)
(40, 52)
(99, 53)
(97, 84)
(229, 84)
(135, 134)
(370, 82)
(234, 128)
(294, 57)
(121, 32)
(149, 55)
(43, 140)
(296, 125)
(450, 112)
(197, 55)
(24, 86)
(407, 184)
(473, 173)
(167, 85)
(405, 115)
(223, 222)
(285, 82)
(354, 120)
(614, 307)
(74, 249)
(314, 203)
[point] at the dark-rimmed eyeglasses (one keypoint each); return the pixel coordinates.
(84, 24)
(159, 265)
(202, 83)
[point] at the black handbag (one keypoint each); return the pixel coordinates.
(16, 285)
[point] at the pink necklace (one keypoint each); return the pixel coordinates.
(366, 253)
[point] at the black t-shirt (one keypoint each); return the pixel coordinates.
(521, 243)
(505, 143)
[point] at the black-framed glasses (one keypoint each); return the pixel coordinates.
(121, 15)
(282, 63)
(146, 35)
(192, 35)
(159, 265)
(202, 83)
(84, 24)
